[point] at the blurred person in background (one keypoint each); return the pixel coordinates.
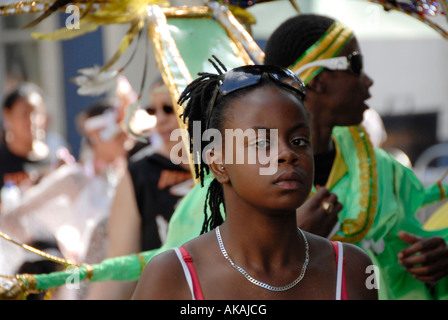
(24, 155)
(73, 202)
(147, 195)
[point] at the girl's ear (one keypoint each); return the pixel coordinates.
(216, 165)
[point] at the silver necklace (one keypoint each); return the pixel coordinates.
(258, 282)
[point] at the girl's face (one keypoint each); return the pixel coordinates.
(282, 116)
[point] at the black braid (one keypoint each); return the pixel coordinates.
(214, 198)
(199, 93)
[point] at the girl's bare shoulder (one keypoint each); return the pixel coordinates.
(162, 278)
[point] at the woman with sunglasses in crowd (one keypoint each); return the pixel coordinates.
(379, 196)
(156, 179)
(147, 195)
(258, 252)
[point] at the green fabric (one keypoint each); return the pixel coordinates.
(350, 184)
(432, 193)
(197, 40)
(400, 195)
(125, 268)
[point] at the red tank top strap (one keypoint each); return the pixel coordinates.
(340, 279)
(194, 277)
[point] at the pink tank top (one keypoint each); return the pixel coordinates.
(196, 291)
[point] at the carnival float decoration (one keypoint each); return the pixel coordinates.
(173, 27)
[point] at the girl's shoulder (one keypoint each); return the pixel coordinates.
(165, 271)
(362, 280)
(351, 252)
(160, 278)
(356, 259)
(358, 266)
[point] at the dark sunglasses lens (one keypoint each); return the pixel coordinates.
(288, 78)
(356, 64)
(247, 76)
(235, 80)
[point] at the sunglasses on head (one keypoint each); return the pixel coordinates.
(352, 62)
(152, 111)
(251, 75)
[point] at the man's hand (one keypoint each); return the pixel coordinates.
(319, 214)
(425, 258)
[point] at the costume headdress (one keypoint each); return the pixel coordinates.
(328, 46)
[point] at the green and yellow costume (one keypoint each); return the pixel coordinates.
(380, 197)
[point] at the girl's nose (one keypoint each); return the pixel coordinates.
(286, 154)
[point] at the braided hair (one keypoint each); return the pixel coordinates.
(293, 37)
(199, 93)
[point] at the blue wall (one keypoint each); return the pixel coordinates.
(78, 53)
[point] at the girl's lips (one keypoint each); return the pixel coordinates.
(288, 184)
(288, 180)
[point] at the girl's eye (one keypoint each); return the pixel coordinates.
(262, 144)
(299, 142)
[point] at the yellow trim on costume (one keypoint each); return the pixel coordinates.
(142, 260)
(328, 46)
(89, 271)
(338, 170)
(438, 220)
(354, 230)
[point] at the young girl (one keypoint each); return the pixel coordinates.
(258, 252)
